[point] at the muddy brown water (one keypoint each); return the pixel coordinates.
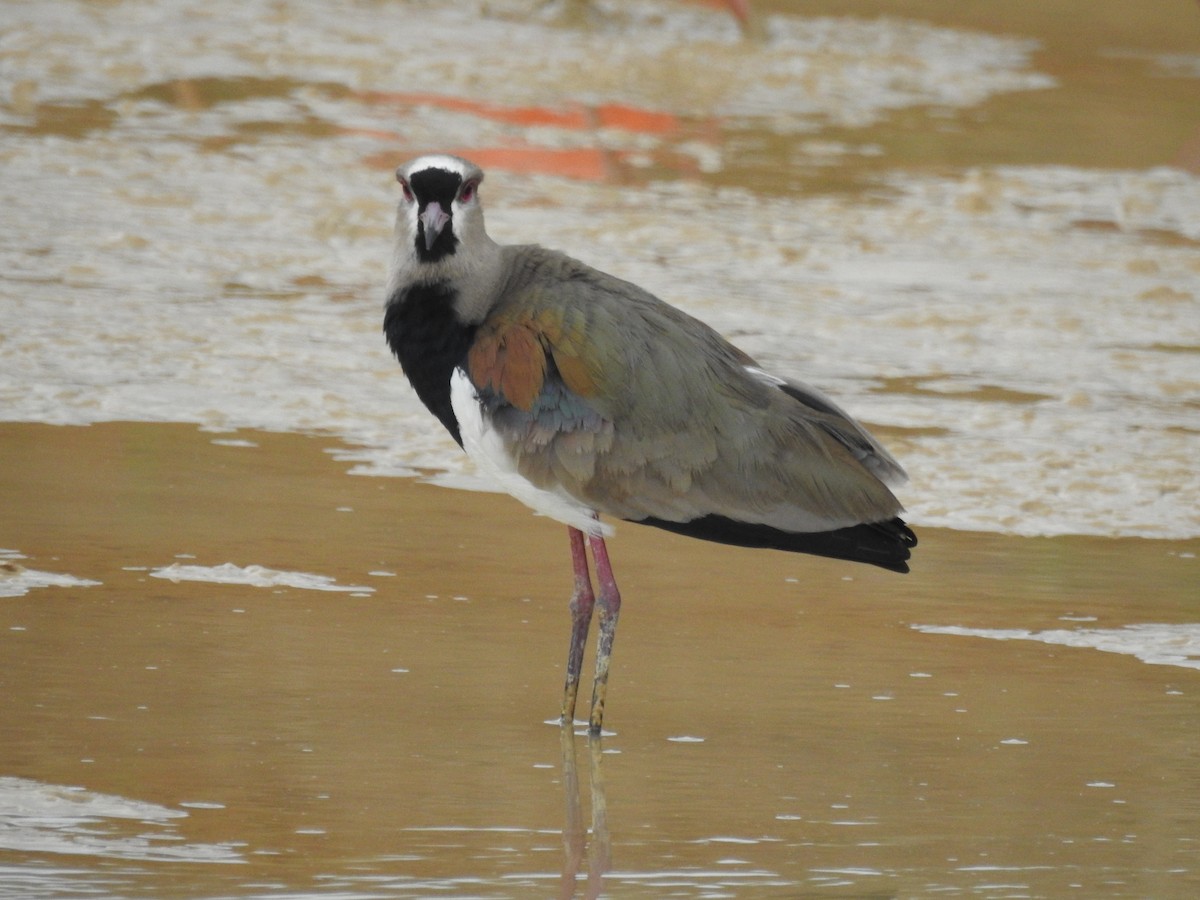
(779, 727)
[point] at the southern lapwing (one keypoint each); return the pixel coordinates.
(582, 394)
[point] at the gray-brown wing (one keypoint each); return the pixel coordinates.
(644, 412)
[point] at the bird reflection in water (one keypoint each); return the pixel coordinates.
(575, 834)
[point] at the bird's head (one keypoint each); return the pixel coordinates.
(439, 209)
(440, 235)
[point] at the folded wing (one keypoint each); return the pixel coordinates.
(599, 390)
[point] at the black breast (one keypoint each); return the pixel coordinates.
(430, 342)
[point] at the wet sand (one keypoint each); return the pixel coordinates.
(780, 728)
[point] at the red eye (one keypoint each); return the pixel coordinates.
(408, 194)
(468, 192)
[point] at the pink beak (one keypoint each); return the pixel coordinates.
(434, 219)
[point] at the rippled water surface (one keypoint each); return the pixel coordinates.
(247, 654)
(279, 680)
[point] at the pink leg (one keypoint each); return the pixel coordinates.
(610, 609)
(581, 617)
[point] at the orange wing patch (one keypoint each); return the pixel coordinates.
(510, 357)
(511, 362)
(574, 372)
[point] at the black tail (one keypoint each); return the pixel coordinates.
(885, 544)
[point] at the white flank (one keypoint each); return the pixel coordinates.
(486, 449)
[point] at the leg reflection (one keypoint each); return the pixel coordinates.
(600, 851)
(574, 834)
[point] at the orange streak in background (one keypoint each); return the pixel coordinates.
(739, 8)
(635, 119)
(576, 118)
(528, 116)
(582, 163)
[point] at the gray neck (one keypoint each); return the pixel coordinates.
(475, 273)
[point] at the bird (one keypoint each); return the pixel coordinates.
(582, 394)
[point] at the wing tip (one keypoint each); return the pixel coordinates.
(887, 544)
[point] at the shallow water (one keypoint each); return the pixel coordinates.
(233, 666)
(780, 725)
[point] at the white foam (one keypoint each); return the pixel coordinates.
(17, 581)
(1164, 645)
(847, 71)
(255, 576)
(44, 818)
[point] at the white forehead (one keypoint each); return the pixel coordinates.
(464, 168)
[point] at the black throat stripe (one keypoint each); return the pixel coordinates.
(430, 343)
(440, 185)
